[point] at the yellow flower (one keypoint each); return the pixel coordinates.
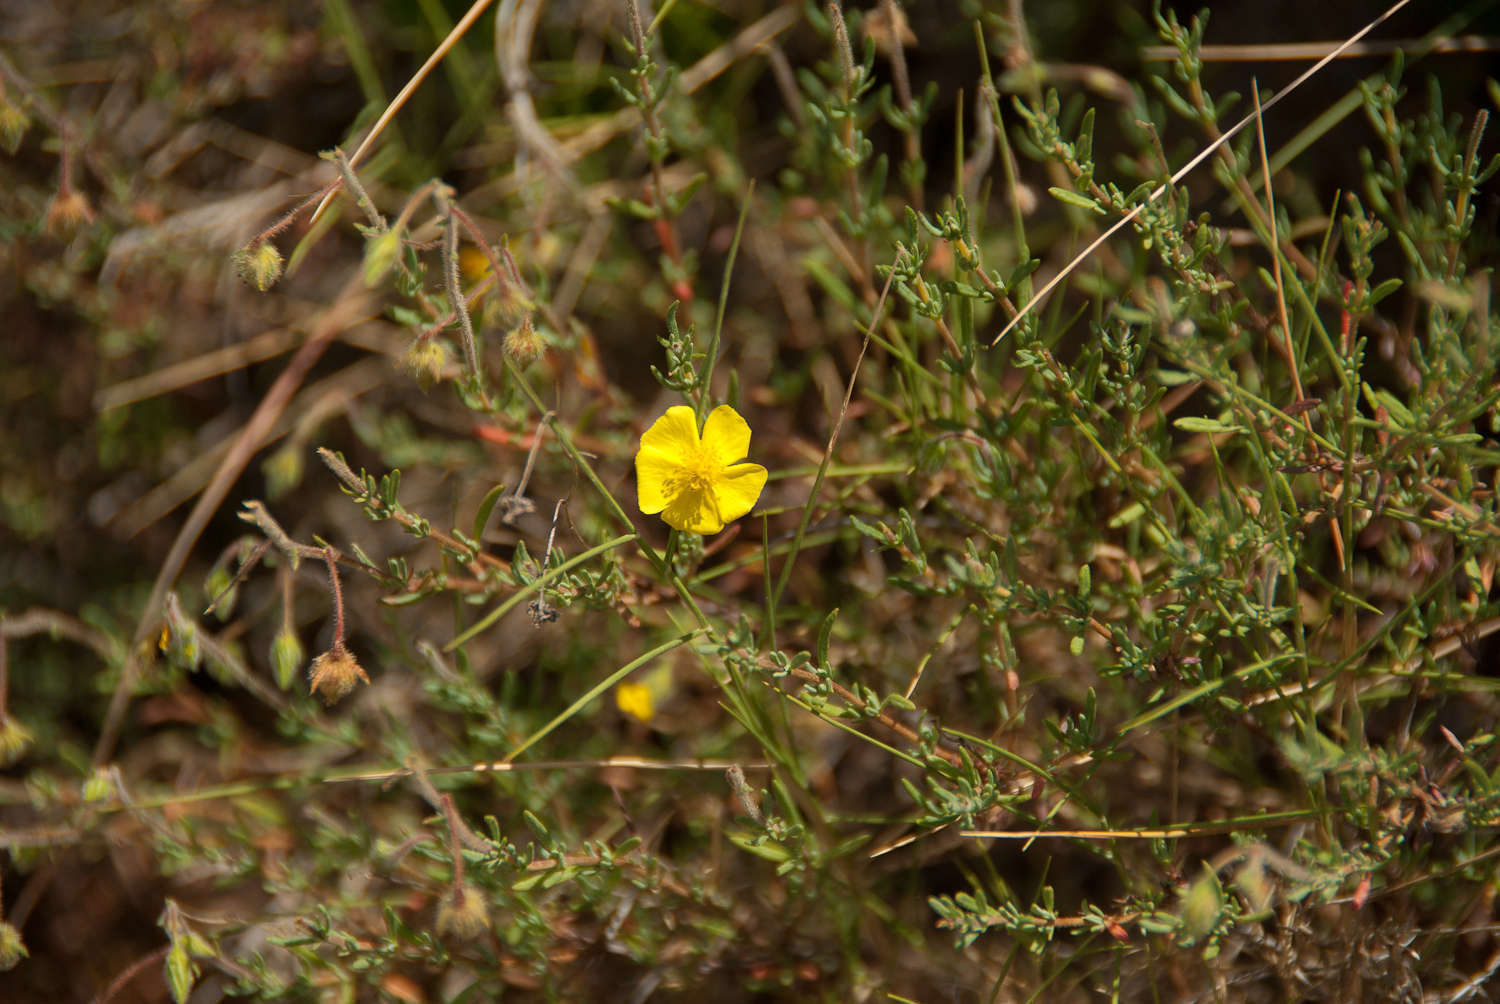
(635, 700)
(696, 484)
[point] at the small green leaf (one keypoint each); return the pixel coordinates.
(555, 878)
(1072, 198)
(1174, 378)
(1400, 415)
(180, 972)
(1208, 425)
(1129, 514)
(1202, 906)
(1156, 923)
(823, 635)
(1383, 290)
(486, 506)
(898, 701)
(759, 847)
(633, 207)
(537, 826)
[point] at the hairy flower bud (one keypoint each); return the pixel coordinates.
(13, 125)
(286, 657)
(381, 252)
(283, 470)
(179, 636)
(15, 740)
(222, 591)
(426, 360)
(462, 913)
(334, 674)
(524, 345)
(99, 786)
(12, 949)
(259, 264)
(68, 211)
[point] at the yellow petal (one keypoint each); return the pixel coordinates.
(653, 471)
(694, 511)
(737, 490)
(674, 435)
(726, 436)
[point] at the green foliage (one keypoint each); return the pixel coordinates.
(1126, 635)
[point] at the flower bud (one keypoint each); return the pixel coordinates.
(334, 674)
(463, 914)
(283, 470)
(181, 973)
(179, 636)
(222, 592)
(12, 949)
(259, 264)
(510, 303)
(381, 252)
(99, 786)
(15, 740)
(524, 345)
(286, 657)
(426, 360)
(68, 210)
(13, 124)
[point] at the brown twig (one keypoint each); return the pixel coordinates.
(351, 304)
(134, 970)
(353, 483)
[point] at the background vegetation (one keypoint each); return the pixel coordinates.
(1131, 641)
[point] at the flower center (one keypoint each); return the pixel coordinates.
(695, 474)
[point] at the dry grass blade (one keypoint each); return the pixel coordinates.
(1300, 51)
(509, 767)
(1274, 246)
(256, 349)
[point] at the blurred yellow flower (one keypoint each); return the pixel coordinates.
(635, 700)
(697, 484)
